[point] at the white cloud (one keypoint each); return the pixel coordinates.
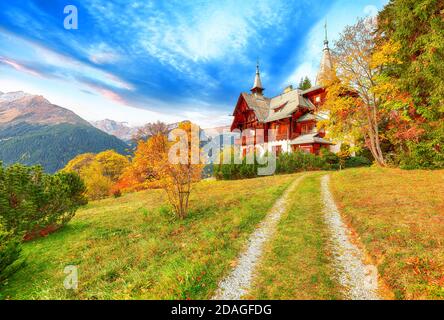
(102, 53)
(53, 64)
(183, 35)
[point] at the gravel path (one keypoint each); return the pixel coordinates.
(360, 281)
(238, 282)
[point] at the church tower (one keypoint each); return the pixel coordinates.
(257, 89)
(326, 62)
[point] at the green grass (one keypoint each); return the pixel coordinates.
(399, 217)
(132, 248)
(296, 262)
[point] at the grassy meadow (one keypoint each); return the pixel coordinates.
(399, 218)
(132, 248)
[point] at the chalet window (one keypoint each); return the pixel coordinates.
(307, 128)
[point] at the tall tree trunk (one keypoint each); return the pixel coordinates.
(373, 134)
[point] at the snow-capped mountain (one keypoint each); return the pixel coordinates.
(119, 129)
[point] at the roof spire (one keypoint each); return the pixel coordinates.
(326, 61)
(257, 87)
(326, 36)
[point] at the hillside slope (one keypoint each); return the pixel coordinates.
(131, 248)
(34, 131)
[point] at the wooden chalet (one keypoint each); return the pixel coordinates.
(293, 114)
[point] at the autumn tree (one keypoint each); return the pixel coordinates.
(140, 173)
(175, 164)
(98, 186)
(353, 106)
(416, 27)
(79, 162)
(100, 171)
(150, 130)
(112, 164)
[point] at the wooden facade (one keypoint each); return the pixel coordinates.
(288, 128)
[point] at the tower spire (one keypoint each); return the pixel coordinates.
(326, 36)
(257, 86)
(326, 65)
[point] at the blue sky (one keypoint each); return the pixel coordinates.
(142, 61)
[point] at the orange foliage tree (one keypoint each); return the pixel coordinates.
(171, 165)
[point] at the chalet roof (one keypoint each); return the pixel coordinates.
(259, 104)
(279, 107)
(311, 116)
(310, 138)
(314, 88)
(307, 117)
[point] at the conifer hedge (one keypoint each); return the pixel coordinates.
(33, 204)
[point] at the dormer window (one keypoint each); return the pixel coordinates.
(280, 107)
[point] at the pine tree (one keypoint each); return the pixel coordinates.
(304, 84)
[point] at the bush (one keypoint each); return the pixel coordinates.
(117, 193)
(285, 163)
(357, 161)
(33, 203)
(426, 154)
(329, 157)
(9, 255)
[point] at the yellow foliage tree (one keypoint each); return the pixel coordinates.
(356, 92)
(112, 163)
(175, 164)
(100, 172)
(98, 186)
(79, 162)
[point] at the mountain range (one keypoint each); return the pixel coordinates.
(35, 131)
(119, 129)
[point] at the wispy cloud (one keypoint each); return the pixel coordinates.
(48, 63)
(174, 59)
(102, 53)
(18, 66)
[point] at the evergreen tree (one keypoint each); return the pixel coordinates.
(304, 84)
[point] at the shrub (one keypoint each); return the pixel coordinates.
(357, 161)
(117, 193)
(285, 163)
(425, 154)
(9, 255)
(329, 157)
(33, 203)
